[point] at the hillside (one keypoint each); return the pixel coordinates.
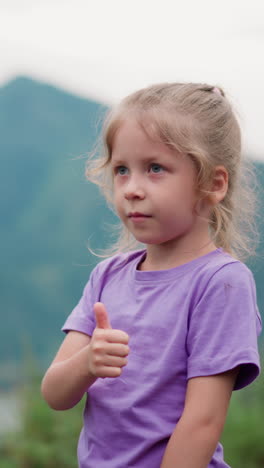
(48, 213)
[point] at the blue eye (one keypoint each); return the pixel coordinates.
(156, 168)
(121, 170)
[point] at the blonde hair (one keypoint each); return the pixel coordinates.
(197, 120)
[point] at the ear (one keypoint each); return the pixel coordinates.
(219, 185)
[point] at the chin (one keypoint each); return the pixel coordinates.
(151, 241)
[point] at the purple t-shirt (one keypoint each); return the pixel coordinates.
(197, 319)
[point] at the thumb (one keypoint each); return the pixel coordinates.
(101, 316)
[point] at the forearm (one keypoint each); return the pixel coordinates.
(191, 445)
(65, 382)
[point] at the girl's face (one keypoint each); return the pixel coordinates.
(154, 187)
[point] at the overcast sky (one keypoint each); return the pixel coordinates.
(105, 49)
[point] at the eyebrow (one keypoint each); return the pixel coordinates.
(146, 159)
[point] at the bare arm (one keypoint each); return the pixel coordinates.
(68, 377)
(81, 359)
(194, 440)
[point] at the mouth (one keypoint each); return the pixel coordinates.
(137, 217)
(136, 214)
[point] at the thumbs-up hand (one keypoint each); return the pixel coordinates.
(108, 348)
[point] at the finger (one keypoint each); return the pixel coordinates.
(116, 336)
(101, 316)
(116, 349)
(111, 336)
(115, 361)
(108, 371)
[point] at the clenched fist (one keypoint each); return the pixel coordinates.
(108, 348)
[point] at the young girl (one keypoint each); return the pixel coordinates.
(165, 332)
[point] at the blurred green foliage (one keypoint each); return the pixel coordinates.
(48, 439)
(244, 430)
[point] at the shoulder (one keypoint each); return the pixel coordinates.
(228, 283)
(224, 278)
(233, 274)
(225, 269)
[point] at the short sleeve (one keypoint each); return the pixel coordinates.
(82, 317)
(224, 325)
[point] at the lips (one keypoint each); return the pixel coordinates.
(137, 214)
(138, 218)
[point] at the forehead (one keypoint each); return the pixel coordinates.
(132, 137)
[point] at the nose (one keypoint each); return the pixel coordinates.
(134, 189)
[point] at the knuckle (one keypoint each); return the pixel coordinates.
(99, 333)
(126, 337)
(96, 332)
(97, 345)
(117, 371)
(93, 371)
(124, 351)
(96, 360)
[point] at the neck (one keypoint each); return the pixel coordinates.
(177, 252)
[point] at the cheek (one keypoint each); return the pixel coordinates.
(117, 201)
(115, 198)
(116, 190)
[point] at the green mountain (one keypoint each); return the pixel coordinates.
(49, 213)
